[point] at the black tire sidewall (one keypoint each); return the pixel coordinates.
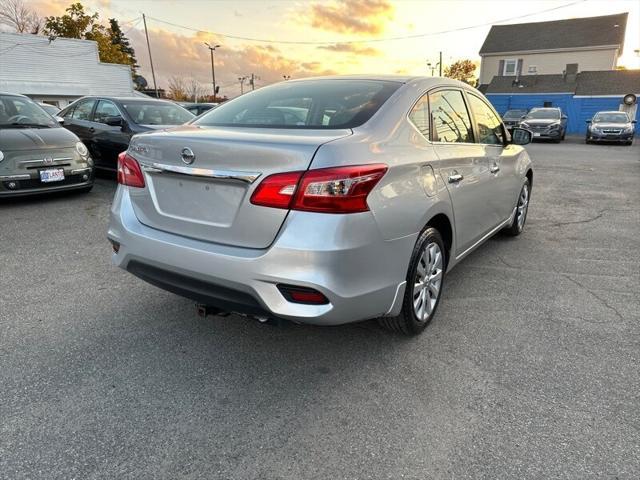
(427, 236)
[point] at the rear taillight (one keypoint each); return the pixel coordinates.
(308, 296)
(129, 171)
(327, 190)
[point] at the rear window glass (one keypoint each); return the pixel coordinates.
(323, 104)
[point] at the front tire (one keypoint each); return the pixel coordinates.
(522, 208)
(425, 282)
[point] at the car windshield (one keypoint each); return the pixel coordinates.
(310, 104)
(611, 117)
(545, 113)
(515, 113)
(21, 112)
(157, 113)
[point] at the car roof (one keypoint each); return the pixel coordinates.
(611, 111)
(126, 99)
(8, 94)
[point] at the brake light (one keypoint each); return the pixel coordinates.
(129, 171)
(327, 190)
(276, 190)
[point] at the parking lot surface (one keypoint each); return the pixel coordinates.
(531, 368)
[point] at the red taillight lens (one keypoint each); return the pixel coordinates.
(129, 171)
(339, 189)
(327, 190)
(276, 190)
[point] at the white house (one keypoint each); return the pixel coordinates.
(557, 47)
(58, 71)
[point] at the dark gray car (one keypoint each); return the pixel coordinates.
(36, 154)
(611, 126)
(546, 123)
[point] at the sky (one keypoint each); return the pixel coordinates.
(343, 36)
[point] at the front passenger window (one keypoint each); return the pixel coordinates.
(489, 125)
(450, 121)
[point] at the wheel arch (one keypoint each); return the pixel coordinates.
(443, 224)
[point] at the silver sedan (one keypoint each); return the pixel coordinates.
(324, 201)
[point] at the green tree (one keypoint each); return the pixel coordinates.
(463, 70)
(113, 46)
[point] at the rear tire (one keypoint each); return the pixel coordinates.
(522, 208)
(425, 282)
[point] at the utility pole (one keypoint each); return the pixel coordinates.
(153, 74)
(252, 81)
(213, 68)
(440, 63)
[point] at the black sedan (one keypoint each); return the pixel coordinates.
(512, 118)
(106, 124)
(612, 126)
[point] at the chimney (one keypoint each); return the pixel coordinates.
(571, 72)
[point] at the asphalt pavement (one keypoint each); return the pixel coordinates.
(531, 368)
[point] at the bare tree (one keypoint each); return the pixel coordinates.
(15, 14)
(177, 88)
(193, 89)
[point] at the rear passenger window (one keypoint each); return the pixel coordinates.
(419, 116)
(450, 122)
(489, 125)
(83, 110)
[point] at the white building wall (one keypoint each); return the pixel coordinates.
(62, 70)
(548, 63)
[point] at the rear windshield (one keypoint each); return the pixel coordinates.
(611, 118)
(324, 104)
(157, 113)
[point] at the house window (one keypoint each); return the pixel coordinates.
(510, 67)
(533, 69)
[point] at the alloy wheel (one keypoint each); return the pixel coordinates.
(428, 281)
(523, 205)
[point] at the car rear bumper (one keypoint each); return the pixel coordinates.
(342, 256)
(29, 184)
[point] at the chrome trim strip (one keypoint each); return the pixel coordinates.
(15, 177)
(59, 159)
(79, 170)
(488, 235)
(247, 177)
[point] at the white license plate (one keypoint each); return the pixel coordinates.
(536, 134)
(52, 175)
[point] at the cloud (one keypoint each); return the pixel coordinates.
(187, 56)
(350, 16)
(353, 48)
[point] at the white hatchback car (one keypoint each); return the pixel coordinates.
(325, 200)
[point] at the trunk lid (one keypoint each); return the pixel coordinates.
(209, 198)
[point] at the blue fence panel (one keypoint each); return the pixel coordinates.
(577, 109)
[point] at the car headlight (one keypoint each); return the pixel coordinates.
(1, 156)
(82, 149)
(554, 125)
(524, 125)
(628, 129)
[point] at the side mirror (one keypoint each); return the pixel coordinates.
(564, 117)
(634, 121)
(521, 136)
(588, 121)
(59, 119)
(115, 121)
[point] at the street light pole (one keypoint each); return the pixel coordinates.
(213, 68)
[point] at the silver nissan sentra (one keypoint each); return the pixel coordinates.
(325, 200)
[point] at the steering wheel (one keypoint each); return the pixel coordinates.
(18, 119)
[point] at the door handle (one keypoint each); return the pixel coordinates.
(494, 168)
(91, 129)
(455, 177)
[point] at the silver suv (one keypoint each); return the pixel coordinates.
(323, 201)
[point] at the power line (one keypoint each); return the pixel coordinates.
(372, 40)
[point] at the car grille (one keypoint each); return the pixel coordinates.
(538, 128)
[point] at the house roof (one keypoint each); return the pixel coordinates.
(611, 82)
(571, 33)
(532, 84)
(605, 82)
